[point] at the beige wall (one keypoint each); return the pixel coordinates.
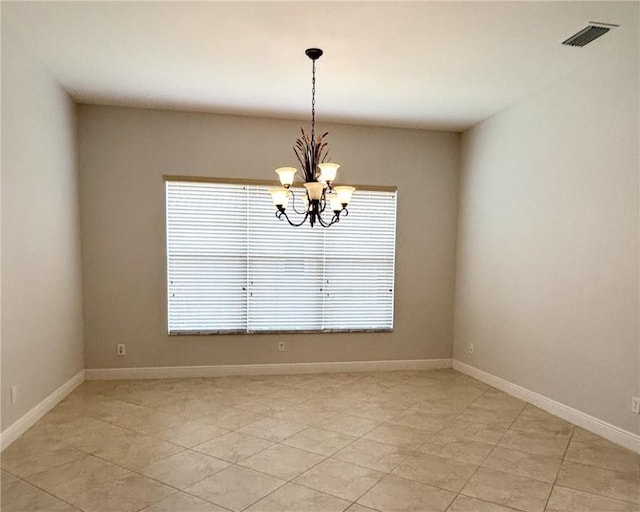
(547, 272)
(41, 280)
(124, 153)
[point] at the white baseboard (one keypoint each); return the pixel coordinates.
(173, 372)
(21, 425)
(614, 434)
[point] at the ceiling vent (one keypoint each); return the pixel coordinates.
(588, 34)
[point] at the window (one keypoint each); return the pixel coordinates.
(233, 267)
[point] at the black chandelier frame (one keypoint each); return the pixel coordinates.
(310, 152)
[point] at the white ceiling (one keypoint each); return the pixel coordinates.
(445, 65)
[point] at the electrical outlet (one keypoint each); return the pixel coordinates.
(470, 348)
(281, 346)
(14, 394)
(635, 404)
(121, 349)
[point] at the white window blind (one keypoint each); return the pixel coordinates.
(233, 267)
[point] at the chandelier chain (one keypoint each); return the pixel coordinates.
(313, 104)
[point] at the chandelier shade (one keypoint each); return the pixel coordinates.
(287, 175)
(318, 174)
(328, 172)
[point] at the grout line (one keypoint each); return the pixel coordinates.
(568, 486)
(490, 452)
(564, 455)
(27, 482)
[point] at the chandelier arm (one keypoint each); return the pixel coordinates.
(293, 203)
(326, 224)
(281, 215)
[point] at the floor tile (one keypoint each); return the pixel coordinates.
(499, 401)
(462, 450)
(404, 437)
(56, 427)
(295, 498)
(339, 402)
(383, 412)
(538, 421)
(235, 488)
(186, 433)
(538, 444)
(348, 424)
(489, 433)
(120, 413)
(183, 469)
(477, 414)
(359, 508)
(128, 494)
(319, 440)
(437, 471)
(7, 478)
(466, 504)
(372, 454)
(604, 456)
(228, 417)
(339, 479)
(282, 461)
(422, 421)
(442, 408)
(273, 429)
(78, 476)
(569, 500)
(394, 494)
(306, 415)
(19, 496)
(604, 482)
(233, 447)
(25, 457)
(181, 502)
(265, 405)
(584, 436)
(192, 407)
(509, 490)
(124, 447)
(537, 467)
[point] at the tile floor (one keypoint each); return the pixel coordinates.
(388, 442)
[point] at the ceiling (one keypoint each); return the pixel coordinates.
(443, 65)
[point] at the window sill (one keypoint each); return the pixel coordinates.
(235, 332)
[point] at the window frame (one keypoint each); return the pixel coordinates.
(233, 332)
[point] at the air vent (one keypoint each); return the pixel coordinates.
(588, 34)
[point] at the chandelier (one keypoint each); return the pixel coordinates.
(318, 175)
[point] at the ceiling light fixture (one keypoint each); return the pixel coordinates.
(318, 175)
